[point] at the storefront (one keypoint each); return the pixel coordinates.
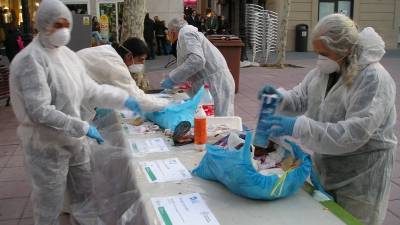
(78, 6)
(113, 11)
(12, 10)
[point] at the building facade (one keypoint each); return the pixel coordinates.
(382, 15)
(113, 9)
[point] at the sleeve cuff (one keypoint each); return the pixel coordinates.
(77, 128)
(171, 76)
(284, 96)
(299, 126)
(86, 127)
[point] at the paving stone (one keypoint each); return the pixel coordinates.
(11, 208)
(19, 151)
(396, 170)
(13, 189)
(13, 174)
(4, 160)
(8, 149)
(396, 181)
(9, 222)
(16, 161)
(28, 211)
(394, 192)
(8, 136)
(391, 219)
(28, 221)
(394, 207)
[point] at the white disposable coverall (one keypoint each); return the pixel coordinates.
(47, 87)
(199, 62)
(351, 130)
(105, 66)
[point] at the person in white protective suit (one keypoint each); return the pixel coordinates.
(48, 83)
(200, 62)
(348, 116)
(107, 66)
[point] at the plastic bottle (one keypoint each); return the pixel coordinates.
(200, 129)
(207, 102)
(268, 107)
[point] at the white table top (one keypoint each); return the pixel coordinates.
(229, 209)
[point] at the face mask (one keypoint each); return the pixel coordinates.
(136, 68)
(327, 65)
(60, 37)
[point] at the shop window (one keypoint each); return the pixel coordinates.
(327, 7)
(78, 8)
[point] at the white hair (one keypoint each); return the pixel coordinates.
(176, 24)
(340, 34)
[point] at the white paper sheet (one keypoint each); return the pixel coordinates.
(165, 170)
(150, 145)
(183, 210)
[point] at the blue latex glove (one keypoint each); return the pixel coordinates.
(133, 105)
(269, 90)
(94, 133)
(167, 83)
(280, 125)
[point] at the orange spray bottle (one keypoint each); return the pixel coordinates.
(200, 129)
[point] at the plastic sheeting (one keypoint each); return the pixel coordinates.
(172, 115)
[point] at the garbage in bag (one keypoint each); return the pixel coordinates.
(235, 169)
(172, 115)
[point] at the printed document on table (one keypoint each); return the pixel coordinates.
(183, 210)
(150, 145)
(165, 170)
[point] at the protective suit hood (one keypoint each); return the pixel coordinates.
(372, 46)
(50, 11)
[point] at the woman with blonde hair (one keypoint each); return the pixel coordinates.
(346, 116)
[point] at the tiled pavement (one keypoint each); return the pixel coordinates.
(15, 207)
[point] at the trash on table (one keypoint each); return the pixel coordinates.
(275, 160)
(182, 134)
(144, 128)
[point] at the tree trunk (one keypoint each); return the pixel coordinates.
(133, 19)
(281, 58)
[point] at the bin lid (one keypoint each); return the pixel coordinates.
(222, 37)
(301, 27)
(225, 40)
